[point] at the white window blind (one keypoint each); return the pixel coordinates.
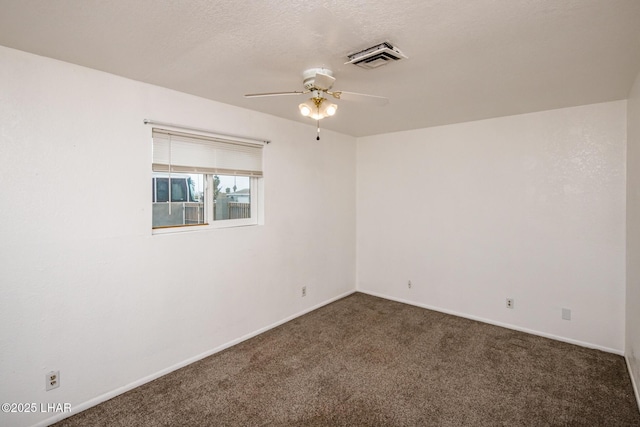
(188, 153)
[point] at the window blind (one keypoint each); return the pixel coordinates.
(188, 153)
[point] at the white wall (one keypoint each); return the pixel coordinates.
(530, 207)
(87, 290)
(632, 350)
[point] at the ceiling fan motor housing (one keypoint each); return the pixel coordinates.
(309, 76)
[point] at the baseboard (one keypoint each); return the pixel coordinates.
(110, 395)
(493, 322)
(634, 384)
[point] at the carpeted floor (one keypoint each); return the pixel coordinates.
(366, 361)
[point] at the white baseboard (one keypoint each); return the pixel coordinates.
(110, 395)
(493, 322)
(634, 383)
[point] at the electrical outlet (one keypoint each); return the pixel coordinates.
(510, 303)
(304, 291)
(52, 380)
(566, 314)
(409, 284)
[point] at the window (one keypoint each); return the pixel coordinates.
(203, 181)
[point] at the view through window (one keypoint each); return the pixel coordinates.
(193, 204)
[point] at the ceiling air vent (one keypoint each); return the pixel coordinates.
(376, 56)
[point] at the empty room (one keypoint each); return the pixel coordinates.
(409, 213)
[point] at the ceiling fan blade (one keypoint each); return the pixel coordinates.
(360, 97)
(323, 81)
(259, 95)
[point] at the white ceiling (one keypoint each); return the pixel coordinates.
(468, 59)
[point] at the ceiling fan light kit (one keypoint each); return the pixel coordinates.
(317, 109)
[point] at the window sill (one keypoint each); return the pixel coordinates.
(203, 227)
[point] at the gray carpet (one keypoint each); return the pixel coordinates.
(366, 361)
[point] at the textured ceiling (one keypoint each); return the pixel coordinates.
(468, 59)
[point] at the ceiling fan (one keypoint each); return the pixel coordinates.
(318, 82)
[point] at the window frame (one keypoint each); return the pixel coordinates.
(239, 222)
(255, 195)
(210, 223)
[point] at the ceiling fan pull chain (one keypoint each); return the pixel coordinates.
(318, 137)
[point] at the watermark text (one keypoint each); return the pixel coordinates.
(36, 407)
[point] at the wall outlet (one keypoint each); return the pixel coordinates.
(510, 302)
(409, 284)
(52, 380)
(566, 314)
(304, 291)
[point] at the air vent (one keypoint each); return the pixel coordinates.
(376, 56)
